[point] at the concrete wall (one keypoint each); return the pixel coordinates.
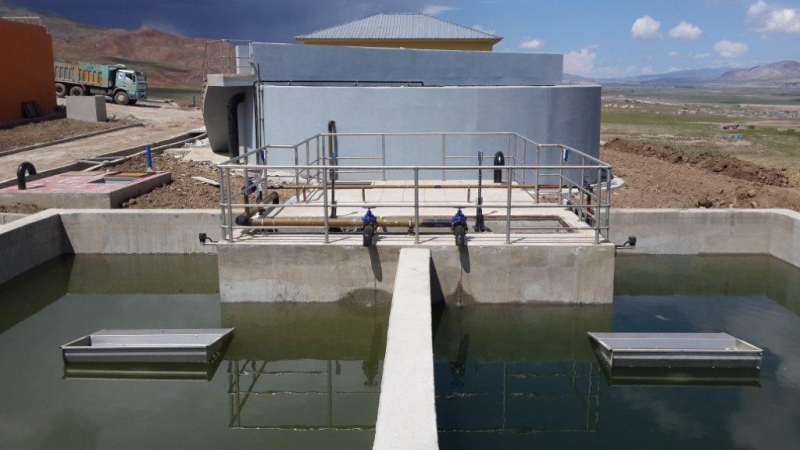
(565, 114)
(26, 59)
(482, 274)
(698, 231)
(298, 63)
(28, 242)
(139, 232)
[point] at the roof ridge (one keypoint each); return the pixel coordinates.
(474, 30)
(459, 25)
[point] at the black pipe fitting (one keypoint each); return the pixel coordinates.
(24, 167)
(499, 160)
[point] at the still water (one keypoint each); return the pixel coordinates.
(525, 376)
(294, 376)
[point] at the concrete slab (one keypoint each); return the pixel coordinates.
(83, 190)
(88, 108)
(407, 410)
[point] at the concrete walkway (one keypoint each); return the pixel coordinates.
(407, 410)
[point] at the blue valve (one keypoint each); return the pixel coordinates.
(369, 218)
(458, 218)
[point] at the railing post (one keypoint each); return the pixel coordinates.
(230, 202)
(416, 205)
(525, 161)
(444, 158)
(598, 208)
(222, 215)
(383, 154)
(325, 200)
(508, 206)
(296, 174)
(608, 204)
(536, 172)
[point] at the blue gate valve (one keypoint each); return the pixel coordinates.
(370, 223)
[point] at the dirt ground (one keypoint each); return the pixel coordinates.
(184, 192)
(660, 177)
(51, 130)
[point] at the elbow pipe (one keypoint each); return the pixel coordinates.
(233, 124)
(24, 167)
(499, 160)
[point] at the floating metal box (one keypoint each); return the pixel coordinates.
(675, 350)
(147, 346)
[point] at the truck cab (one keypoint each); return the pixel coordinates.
(129, 87)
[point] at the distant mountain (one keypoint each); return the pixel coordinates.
(575, 79)
(167, 59)
(695, 76)
(782, 72)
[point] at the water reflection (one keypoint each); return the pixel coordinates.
(305, 367)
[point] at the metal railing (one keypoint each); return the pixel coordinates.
(220, 58)
(316, 168)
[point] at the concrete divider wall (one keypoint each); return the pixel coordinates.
(698, 231)
(407, 409)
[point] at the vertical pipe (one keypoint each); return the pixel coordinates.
(325, 200)
(508, 206)
(149, 154)
(444, 159)
(230, 201)
(416, 205)
(383, 154)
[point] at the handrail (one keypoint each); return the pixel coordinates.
(321, 169)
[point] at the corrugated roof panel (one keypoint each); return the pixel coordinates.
(399, 26)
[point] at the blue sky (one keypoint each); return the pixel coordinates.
(601, 39)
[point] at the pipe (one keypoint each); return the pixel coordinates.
(233, 124)
(26, 166)
(333, 155)
(499, 160)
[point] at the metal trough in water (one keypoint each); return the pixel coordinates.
(675, 350)
(147, 346)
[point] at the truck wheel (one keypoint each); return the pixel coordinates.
(61, 90)
(121, 98)
(76, 91)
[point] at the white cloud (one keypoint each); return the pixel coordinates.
(646, 29)
(435, 10)
(532, 44)
(757, 9)
(774, 19)
(580, 62)
(728, 49)
(647, 70)
(674, 54)
(685, 31)
(484, 29)
(699, 55)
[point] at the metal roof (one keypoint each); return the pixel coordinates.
(400, 26)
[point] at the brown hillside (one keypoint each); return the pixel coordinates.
(168, 59)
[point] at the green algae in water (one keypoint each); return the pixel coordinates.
(524, 376)
(292, 377)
